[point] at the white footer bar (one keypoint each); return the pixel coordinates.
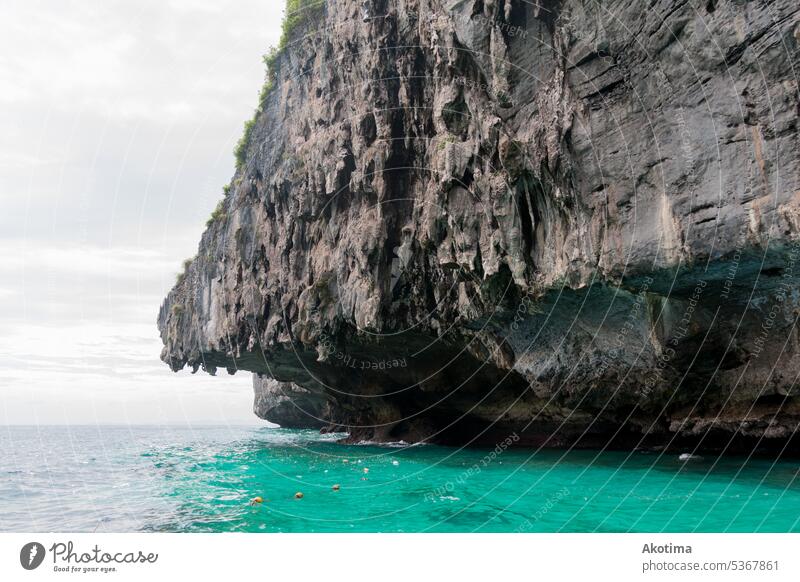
(392, 557)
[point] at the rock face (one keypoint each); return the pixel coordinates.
(572, 220)
(288, 404)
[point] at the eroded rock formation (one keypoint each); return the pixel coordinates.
(289, 405)
(573, 220)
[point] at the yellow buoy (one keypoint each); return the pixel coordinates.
(336, 487)
(298, 495)
(256, 501)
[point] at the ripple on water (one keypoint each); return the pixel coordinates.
(156, 479)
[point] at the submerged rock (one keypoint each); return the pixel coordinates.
(571, 221)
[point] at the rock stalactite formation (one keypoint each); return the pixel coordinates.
(576, 221)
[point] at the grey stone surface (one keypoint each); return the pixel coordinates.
(289, 405)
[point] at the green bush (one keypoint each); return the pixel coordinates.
(297, 11)
(180, 277)
(269, 59)
(241, 146)
(444, 142)
(218, 213)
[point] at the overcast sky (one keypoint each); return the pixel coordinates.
(118, 122)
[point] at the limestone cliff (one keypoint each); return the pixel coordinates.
(574, 220)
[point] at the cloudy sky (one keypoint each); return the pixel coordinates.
(118, 121)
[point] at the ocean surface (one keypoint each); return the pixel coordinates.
(202, 479)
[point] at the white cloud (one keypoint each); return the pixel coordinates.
(118, 123)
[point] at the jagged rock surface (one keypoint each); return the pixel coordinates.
(289, 405)
(573, 220)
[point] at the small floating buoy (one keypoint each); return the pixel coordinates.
(395, 462)
(298, 495)
(366, 470)
(336, 487)
(256, 501)
(689, 457)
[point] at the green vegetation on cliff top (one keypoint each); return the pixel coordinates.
(296, 12)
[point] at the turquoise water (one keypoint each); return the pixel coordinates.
(201, 479)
